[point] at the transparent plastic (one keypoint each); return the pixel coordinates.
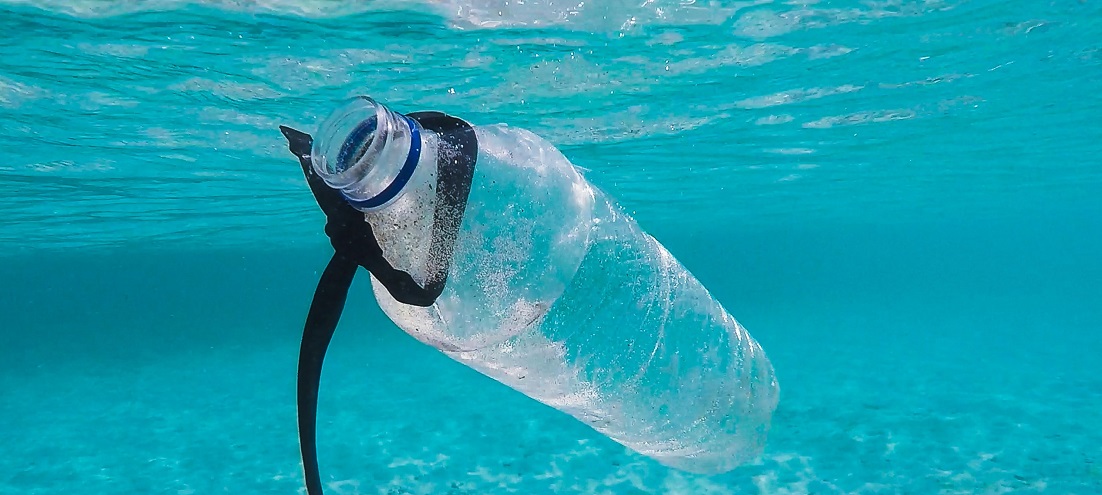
(556, 292)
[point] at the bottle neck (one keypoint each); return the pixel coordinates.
(368, 153)
(401, 176)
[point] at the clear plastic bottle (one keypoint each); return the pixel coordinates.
(556, 292)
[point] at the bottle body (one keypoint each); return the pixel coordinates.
(557, 293)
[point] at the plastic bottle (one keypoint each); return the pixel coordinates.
(556, 292)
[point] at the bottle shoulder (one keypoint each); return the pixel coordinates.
(499, 138)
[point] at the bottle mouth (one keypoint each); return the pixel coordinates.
(355, 145)
(345, 139)
(366, 151)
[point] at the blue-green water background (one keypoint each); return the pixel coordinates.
(902, 201)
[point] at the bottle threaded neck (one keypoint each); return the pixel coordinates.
(367, 152)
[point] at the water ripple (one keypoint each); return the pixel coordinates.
(715, 97)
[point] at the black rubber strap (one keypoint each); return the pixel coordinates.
(350, 234)
(325, 312)
(355, 245)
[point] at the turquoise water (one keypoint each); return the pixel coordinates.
(902, 201)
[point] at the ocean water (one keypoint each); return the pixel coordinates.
(901, 200)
